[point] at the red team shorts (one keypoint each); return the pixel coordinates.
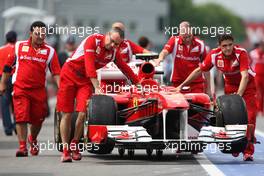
(259, 80)
(73, 88)
(30, 105)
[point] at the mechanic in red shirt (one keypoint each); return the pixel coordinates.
(257, 60)
(187, 52)
(79, 78)
(32, 59)
(6, 51)
(127, 48)
(239, 78)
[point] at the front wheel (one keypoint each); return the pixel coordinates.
(102, 110)
(231, 110)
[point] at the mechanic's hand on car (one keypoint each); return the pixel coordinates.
(98, 91)
(173, 90)
(87, 102)
(155, 62)
(2, 88)
(238, 93)
(178, 89)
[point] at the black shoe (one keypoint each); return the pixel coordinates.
(8, 133)
(22, 153)
(248, 157)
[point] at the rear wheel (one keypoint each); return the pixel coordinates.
(159, 153)
(131, 153)
(102, 110)
(149, 152)
(57, 133)
(121, 151)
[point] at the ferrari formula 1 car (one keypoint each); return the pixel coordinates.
(151, 116)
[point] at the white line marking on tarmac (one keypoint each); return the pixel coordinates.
(208, 166)
(260, 133)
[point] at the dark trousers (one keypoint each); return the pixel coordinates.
(6, 102)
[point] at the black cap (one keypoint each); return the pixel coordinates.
(11, 37)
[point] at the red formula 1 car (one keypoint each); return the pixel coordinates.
(151, 116)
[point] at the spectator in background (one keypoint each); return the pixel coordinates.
(70, 46)
(6, 51)
(257, 64)
(144, 42)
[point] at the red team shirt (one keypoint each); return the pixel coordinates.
(231, 67)
(185, 59)
(5, 53)
(29, 78)
(77, 71)
(32, 64)
(127, 49)
(257, 61)
(92, 55)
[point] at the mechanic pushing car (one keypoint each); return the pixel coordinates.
(187, 52)
(232, 60)
(127, 48)
(79, 78)
(31, 59)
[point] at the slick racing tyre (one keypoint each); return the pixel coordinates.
(102, 110)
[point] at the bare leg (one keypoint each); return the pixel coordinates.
(22, 137)
(65, 128)
(21, 131)
(34, 131)
(79, 126)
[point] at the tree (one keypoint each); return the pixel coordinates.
(206, 15)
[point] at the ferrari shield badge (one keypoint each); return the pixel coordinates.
(220, 63)
(135, 101)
